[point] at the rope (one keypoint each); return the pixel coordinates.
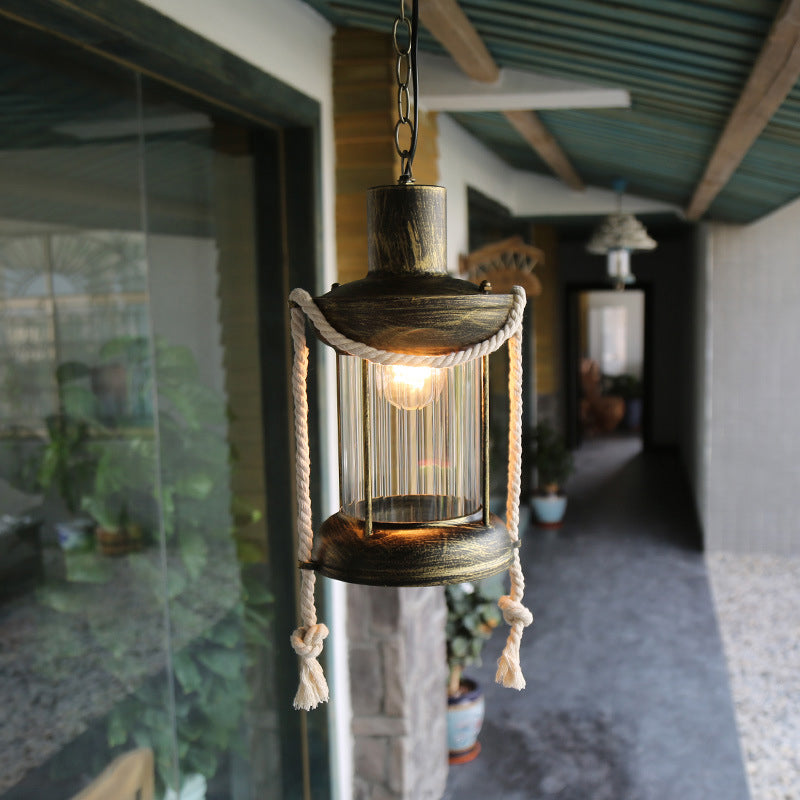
(509, 672)
(307, 640)
(351, 347)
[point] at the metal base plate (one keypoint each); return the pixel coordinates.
(414, 555)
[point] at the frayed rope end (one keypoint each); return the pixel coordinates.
(313, 688)
(509, 671)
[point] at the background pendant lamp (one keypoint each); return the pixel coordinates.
(617, 236)
(412, 346)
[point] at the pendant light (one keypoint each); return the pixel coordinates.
(617, 236)
(412, 345)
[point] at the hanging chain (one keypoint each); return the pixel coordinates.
(406, 70)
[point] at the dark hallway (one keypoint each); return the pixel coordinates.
(627, 692)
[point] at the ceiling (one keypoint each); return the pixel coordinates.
(684, 64)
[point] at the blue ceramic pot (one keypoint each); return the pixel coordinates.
(633, 413)
(549, 509)
(464, 719)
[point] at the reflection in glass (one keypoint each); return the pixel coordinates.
(136, 609)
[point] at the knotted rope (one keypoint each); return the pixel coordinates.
(509, 672)
(307, 640)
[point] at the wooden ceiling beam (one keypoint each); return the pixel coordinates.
(449, 25)
(774, 74)
(530, 127)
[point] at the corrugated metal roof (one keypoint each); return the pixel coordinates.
(684, 64)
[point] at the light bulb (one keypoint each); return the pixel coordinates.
(410, 388)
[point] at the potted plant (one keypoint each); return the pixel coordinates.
(472, 615)
(554, 464)
(219, 604)
(68, 462)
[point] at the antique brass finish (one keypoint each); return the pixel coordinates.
(408, 303)
(418, 246)
(425, 554)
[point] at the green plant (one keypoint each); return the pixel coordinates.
(124, 483)
(67, 460)
(626, 386)
(211, 692)
(553, 460)
(472, 615)
(176, 473)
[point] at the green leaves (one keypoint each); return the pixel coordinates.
(194, 552)
(554, 462)
(225, 663)
(86, 567)
(472, 614)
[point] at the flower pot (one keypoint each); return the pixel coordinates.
(119, 541)
(74, 534)
(549, 509)
(633, 413)
(464, 721)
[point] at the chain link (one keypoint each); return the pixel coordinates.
(404, 70)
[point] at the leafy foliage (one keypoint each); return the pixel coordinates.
(67, 461)
(174, 480)
(554, 462)
(472, 615)
(626, 386)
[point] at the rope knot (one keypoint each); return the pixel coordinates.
(307, 641)
(514, 611)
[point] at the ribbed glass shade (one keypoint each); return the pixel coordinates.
(425, 441)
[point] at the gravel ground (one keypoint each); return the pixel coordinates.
(69, 652)
(757, 599)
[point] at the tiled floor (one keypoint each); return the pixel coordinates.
(628, 695)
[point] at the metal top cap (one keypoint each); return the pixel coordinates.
(407, 230)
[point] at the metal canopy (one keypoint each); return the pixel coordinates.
(684, 62)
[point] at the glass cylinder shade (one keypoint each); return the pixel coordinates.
(419, 445)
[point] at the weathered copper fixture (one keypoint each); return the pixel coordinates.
(413, 347)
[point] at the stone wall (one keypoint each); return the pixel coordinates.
(398, 676)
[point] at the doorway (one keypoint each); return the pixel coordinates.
(607, 367)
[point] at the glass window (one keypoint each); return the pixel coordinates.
(139, 617)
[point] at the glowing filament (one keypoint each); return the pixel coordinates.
(410, 388)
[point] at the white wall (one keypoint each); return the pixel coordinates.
(290, 41)
(753, 324)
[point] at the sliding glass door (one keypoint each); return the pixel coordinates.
(143, 603)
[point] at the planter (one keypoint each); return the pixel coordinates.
(633, 413)
(119, 541)
(549, 509)
(74, 534)
(464, 721)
